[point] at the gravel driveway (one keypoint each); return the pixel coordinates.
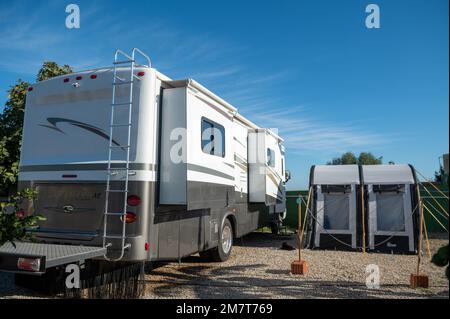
(259, 269)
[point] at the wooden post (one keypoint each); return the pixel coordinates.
(299, 228)
(300, 267)
(419, 248)
(417, 280)
(425, 230)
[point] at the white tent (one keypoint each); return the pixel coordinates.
(346, 199)
(335, 206)
(392, 207)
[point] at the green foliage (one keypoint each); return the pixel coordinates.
(349, 158)
(440, 259)
(11, 122)
(13, 224)
(52, 69)
(367, 158)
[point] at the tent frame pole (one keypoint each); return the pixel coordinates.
(300, 228)
(363, 211)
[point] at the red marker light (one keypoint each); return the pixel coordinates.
(141, 73)
(93, 76)
(147, 246)
(133, 200)
(66, 80)
(78, 78)
(129, 218)
(30, 89)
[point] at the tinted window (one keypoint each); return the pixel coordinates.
(213, 138)
(270, 157)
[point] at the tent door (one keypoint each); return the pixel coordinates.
(390, 217)
(336, 213)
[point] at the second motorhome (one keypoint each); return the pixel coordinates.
(146, 167)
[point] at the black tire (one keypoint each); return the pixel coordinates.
(205, 255)
(219, 254)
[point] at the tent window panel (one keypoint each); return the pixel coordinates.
(336, 211)
(390, 212)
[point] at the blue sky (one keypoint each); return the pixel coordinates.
(309, 68)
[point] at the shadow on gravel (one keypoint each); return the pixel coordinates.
(9, 289)
(225, 283)
(266, 240)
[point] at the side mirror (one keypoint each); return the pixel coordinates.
(287, 175)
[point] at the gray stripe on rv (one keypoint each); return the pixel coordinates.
(85, 167)
(206, 170)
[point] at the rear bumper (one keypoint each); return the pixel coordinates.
(44, 256)
(136, 252)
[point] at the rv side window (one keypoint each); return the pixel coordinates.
(270, 157)
(213, 138)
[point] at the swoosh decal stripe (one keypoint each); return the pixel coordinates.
(93, 129)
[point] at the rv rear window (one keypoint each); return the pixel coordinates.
(270, 157)
(213, 138)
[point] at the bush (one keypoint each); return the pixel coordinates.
(441, 258)
(14, 224)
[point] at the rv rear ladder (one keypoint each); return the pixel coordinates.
(112, 170)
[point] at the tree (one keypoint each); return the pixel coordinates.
(369, 159)
(11, 122)
(364, 158)
(15, 224)
(345, 159)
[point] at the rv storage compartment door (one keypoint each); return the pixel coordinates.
(173, 148)
(265, 168)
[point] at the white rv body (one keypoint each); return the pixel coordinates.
(65, 157)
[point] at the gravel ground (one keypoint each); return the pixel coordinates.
(259, 269)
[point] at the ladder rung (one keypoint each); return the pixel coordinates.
(119, 104)
(113, 237)
(123, 62)
(122, 83)
(120, 146)
(118, 125)
(116, 191)
(115, 214)
(119, 168)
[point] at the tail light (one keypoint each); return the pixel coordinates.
(129, 217)
(133, 200)
(141, 73)
(29, 264)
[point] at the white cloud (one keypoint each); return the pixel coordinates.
(304, 134)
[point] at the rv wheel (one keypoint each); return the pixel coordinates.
(223, 250)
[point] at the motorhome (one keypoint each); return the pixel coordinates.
(144, 167)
